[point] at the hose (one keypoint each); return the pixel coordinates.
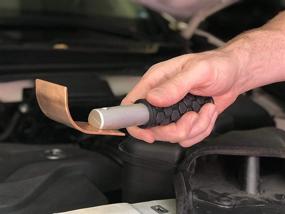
(11, 126)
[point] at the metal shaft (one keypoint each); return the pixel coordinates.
(118, 117)
(252, 175)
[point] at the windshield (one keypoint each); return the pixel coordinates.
(90, 8)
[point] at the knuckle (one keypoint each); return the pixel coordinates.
(210, 129)
(204, 64)
(180, 80)
(172, 141)
(203, 125)
(182, 134)
(175, 86)
(135, 132)
(208, 132)
(185, 144)
(154, 67)
(206, 69)
(125, 101)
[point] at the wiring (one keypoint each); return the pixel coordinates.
(11, 126)
(210, 37)
(174, 24)
(202, 14)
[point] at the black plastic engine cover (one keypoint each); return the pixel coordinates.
(243, 114)
(48, 179)
(211, 178)
(148, 171)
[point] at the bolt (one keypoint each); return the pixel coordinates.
(24, 108)
(55, 154)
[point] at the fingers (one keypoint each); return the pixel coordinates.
(142, 134)
(178, 131)
(188, 129)
(205, 117)
(191, 141)
(188, 126)
(173, 132)
(169, 93)
(144, 85)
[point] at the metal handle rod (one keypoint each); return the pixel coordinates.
(119, 116)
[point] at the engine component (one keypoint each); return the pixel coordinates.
(245, 170)
(52, 179)
(148, 170)
(167, 206)
(252, 175)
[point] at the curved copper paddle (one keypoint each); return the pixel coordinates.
(53, 101)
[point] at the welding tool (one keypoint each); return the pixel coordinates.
(144, 114)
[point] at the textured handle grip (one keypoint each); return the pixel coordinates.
(163, 116)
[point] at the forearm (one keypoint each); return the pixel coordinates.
(261, 54)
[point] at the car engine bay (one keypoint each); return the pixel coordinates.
(47, 167)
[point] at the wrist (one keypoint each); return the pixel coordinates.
(260, 58)
(239, 52)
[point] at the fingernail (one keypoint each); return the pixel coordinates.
(123, 101)
(149, 140)
(195, 119)
(216, 114)
(193, 124)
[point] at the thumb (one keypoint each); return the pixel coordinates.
(166, 94)
(174, 89)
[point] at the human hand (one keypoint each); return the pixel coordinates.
(213, 73)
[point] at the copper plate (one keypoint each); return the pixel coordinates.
(53, 101)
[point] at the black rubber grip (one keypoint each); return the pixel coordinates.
(163, 116)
